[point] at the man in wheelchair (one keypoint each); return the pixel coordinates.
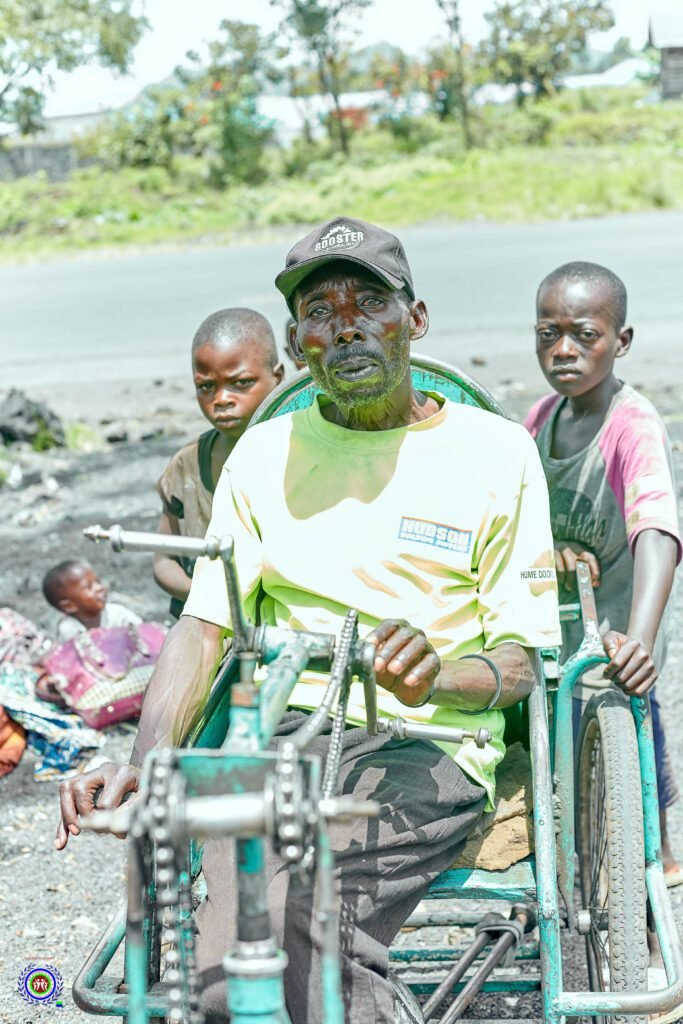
(429, 518)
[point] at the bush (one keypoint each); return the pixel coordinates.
(654, 125)
(411, 134)
(297, 158)
(237, 142)
(510, 125)
(148, 135)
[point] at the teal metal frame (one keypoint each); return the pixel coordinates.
(546, 878)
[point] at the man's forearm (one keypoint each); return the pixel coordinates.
(470, 684)
(654, 564)
(179, 685)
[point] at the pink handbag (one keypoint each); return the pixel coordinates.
(102, 674)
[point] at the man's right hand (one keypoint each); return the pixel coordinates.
(102, 789)
(567, 554)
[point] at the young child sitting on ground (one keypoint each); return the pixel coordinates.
(608, 464)
(235, 366)
(73, 589)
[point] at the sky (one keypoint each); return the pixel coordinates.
(181, 25)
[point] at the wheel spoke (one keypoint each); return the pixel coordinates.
(611, 860)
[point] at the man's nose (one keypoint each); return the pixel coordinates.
(347, 333)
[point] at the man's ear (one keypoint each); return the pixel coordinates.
(279, 372)
(294, 343)
(624, 339)
(419, 320)
(66, 605)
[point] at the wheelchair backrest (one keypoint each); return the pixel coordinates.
(428, 375)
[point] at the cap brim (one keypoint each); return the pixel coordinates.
(287, 281)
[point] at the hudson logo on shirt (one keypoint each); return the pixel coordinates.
(437, 535)
(339, 237)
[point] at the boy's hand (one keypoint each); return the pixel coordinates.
(406, 664)
(102, 789)
(567, 554)
(631, 665)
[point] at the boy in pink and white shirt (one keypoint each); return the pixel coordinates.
(608, 466)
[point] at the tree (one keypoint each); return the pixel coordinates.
(320, 26)
(40, 36)
(532, 42)
(453, 86)
(241, 64)
(210, 110)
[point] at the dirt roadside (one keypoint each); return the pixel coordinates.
(53, 905)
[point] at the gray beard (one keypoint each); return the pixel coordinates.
(393, 373)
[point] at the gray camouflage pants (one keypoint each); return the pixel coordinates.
(383, 866)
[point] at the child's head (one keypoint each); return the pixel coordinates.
(235, 366)
(73, 588)
(580, 326)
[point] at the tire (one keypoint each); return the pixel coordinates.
(406, 1007)
(611, 850)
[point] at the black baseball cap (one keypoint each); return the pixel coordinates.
(344, 238)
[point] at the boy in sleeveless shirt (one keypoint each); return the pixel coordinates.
(235, 366)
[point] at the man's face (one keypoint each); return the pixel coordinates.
(576, 337)
(231, 382)
(354, 332)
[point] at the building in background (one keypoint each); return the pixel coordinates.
(666, 35)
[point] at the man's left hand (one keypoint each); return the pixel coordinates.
(406, 664)
(631, 665)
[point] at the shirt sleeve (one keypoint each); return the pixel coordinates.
(517, 580)
(539, 414)
(169, 488)
(68, 628)
(231, 516)
(638, 466)
(119, 615)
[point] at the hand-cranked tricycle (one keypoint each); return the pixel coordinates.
(594, 804)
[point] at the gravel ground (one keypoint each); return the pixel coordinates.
(53, 905)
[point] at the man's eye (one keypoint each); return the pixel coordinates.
(317, 311)
(545, 335)
(207, 386)
(245, 382)
(372, 300)
(588, 335)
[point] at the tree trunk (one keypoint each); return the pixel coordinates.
(461, 87)
(328, 81)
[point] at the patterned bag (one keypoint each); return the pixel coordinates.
(102, 674)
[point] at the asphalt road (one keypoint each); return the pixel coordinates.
(131, 316)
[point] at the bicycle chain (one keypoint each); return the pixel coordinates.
(343, 658)
(174, 897)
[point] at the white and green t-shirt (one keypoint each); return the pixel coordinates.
(443, 523)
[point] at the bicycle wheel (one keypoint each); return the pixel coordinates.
(611, 849)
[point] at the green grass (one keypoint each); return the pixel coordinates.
(514, 183)
(81, 437)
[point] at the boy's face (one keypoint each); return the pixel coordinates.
(83, 593)
(576, 336)
(231, 382)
